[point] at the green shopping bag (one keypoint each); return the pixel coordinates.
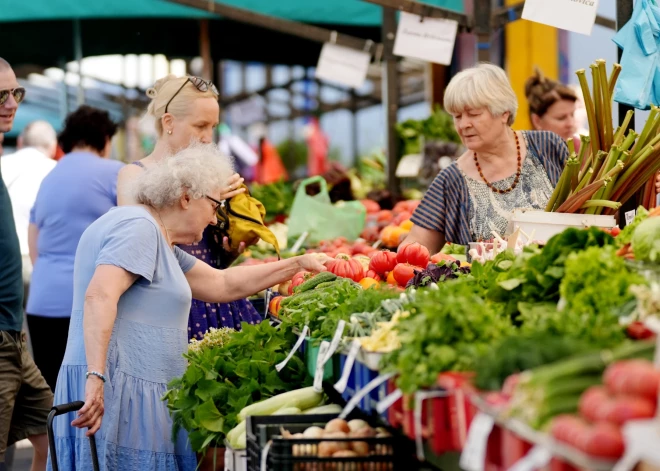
(322, 220)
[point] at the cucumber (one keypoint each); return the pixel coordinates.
(313, 282)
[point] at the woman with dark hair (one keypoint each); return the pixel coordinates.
(80, 189)
(551, 105)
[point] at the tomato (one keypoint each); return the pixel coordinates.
(399, 218)
(385, 215)
(274, 305)
(615, 231)
(346, 267)
(371, 206)
(372, 274)
(414, 254)
(383, 262)
(390, 279)
(285, 288)
(367, 283)
(403, 272)
(299, 278)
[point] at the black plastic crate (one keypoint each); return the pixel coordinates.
(264, 433)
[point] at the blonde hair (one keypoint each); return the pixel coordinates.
(163, 91)
(483, 86)
(199, 169)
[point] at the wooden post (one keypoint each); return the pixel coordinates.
(205, 49)
(390, 99)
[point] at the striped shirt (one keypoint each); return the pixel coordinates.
(446, 206)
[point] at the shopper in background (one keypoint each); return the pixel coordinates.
(23, 172)
(132, 292)
(552, 106)
(186, 110)
(25, 398)
(79, 190)
(502, 170)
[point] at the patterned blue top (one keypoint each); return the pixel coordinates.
(447, 205)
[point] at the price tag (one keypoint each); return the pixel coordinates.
(630, 216)
(340, 387)
(320, 366)
(293, 351)
(473, 457)
(409, 166)
(343, 65)
(371, 385)
(641, 438)
(429, 39)
(573, 15)
(335, 341)
(537, 458)
(269, 294)
(299, 242)
(389, 400)
(420, 397)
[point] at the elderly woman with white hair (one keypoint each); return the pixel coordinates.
(502, 169)
(132, 293)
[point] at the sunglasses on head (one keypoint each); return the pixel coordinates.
(19, 94)
(200, 84)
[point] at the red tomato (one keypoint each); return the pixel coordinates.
(399, 218)
(385, 215)
(347, 267)
(383, 262)
(403, 272)
(373, 274)
(274, 305)
(615, 231)
(371, 206)
(298, 279)
(413, 254)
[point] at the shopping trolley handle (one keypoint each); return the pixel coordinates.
(70, 407)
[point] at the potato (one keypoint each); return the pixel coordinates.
(357, 424)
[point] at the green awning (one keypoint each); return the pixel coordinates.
(341, 12)
(40, 32)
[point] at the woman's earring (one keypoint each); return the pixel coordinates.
(169, 131)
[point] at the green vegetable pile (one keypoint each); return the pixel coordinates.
(438, 126)
(449, 327)
(277, 198)
(222, 380)
(322, 307)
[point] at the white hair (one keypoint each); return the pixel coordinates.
(483, 86)
(39, 134)
(197, 170)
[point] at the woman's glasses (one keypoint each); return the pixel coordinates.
(199, 83)
(19, 95)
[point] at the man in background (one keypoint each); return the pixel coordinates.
(25, 398)
(22, 173)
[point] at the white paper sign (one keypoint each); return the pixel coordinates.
(630, 216)
(431, 40)
(343, 65)
(409, 166)
(573, 15)
(536, 458)
(348, 366)
(320, 364)
(293, 351)
(473, 457)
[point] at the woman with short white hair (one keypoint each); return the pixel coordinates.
(132, 293)
(502, 169)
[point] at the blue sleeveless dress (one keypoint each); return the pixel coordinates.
(205, 315)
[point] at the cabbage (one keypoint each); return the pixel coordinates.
(646, 240)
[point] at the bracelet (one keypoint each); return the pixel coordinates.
(94, 373)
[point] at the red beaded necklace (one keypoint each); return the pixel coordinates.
(515, 180)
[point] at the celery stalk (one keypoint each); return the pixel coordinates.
(598, 103)
(596, 203)
(591, 113)
(606, 104)
(618, 137)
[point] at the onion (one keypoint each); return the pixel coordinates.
(357, 424)
(314, 432)
(337, 425)
(344, 454)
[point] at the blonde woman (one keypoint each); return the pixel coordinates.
(186, 110)
(501, 170)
